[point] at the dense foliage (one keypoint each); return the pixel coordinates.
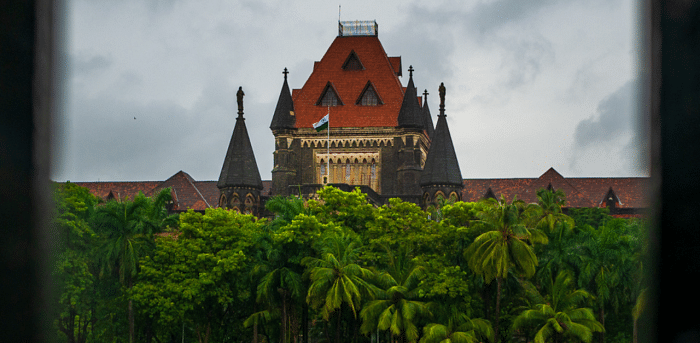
(337, 269)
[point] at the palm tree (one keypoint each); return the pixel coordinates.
(507, 246)
(549, 210)
(637, 311)
(608, 266)
(459, 329)
(281, 284)
(396, 307)
(557, 317)
(337, 281)
(562, 251)
(127, 228)
(280, 279)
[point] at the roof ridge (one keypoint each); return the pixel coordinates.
(198, 192)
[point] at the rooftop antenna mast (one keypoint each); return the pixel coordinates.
(338, 12)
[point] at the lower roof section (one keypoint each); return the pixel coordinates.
(626, 196)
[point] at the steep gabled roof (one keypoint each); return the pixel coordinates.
(410, 114)
(186, 193)
(349, 84)
(427, 117)
(574, 198)
(240, 168)
(284, 112)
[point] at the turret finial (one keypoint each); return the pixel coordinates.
(410, 71)
(239, 97)
(285, 72)
(441, 89)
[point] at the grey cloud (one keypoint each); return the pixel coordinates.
(614, 117)
(83, 65)
(614, 137)
(525, 60)
(486, 17)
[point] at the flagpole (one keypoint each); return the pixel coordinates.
(328, 148)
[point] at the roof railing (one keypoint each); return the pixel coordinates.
(358, 28)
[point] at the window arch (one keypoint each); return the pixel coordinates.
(329, 97)
(369, 96)
(353, 62)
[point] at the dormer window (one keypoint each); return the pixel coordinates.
(329, 97)
(352, 62)
(369, 96)
(489, 194)
(611, 200)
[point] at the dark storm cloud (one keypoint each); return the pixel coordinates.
(614, 136)
(613, 118)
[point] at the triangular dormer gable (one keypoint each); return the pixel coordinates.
(329, 97)
(610, 200)
(490, 194)
(369, 96)
(353, 62)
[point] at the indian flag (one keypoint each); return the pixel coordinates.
(322, 124)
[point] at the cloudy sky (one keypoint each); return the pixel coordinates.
(150, 85)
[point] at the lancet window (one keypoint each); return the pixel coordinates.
(350, 171)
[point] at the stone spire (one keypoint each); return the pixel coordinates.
(410, 113)
(441, 171)
(427, 118)
(240, 168)
(284, 112)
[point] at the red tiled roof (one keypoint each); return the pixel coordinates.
(119, 190)
(630, 190)
(396, 64)
(187, 193)
(476, 189)
(580, 192)
(349, 84)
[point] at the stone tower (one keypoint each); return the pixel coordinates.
(441, 177)
(239, 182)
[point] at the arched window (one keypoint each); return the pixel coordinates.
(329, 97)
(369, 96)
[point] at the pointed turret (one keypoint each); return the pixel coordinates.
(441, 175)
(284, 112)
(240, 178)
(410, 113)
(427, 118)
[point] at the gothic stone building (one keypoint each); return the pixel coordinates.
(380, 138)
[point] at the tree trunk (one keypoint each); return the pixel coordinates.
(497, 313)
(132, 326)
(305, 322)
(255, 332)
(283, 326)
(337, 326)
(634, 331)
(602, 321)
